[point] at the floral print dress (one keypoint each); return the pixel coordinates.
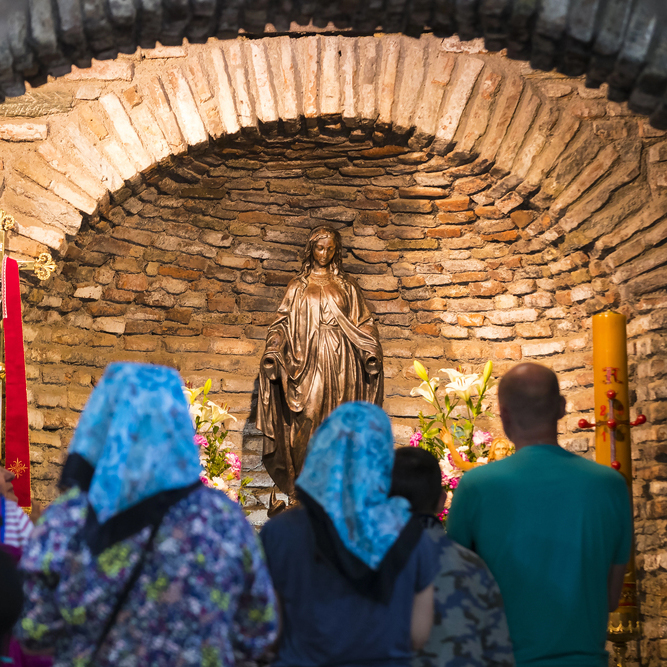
(204, 594)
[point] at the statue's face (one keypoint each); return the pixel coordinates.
(502, 450)
(323, 251)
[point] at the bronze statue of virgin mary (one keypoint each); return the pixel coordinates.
(321, 350)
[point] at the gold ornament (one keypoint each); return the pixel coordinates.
(18, 468)
(6, 221)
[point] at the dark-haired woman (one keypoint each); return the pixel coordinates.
(322, 350)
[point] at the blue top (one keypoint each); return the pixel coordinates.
(325, 620)
(348, 473)
(549, 525)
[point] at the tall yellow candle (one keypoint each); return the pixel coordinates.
(610, 366)
(612, 441)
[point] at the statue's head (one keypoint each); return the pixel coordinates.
(321, 239)
(500, 449)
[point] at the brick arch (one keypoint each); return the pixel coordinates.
(620, 42)
(477, 111)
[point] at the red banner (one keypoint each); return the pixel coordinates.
(17, 446)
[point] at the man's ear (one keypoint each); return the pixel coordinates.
(561, 407)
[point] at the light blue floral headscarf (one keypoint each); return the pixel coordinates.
(348, 473)
(137, 434)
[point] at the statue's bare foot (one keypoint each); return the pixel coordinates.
(275, 506)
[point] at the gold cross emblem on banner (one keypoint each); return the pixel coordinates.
(18, 468)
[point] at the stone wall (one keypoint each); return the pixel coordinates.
(488, 211)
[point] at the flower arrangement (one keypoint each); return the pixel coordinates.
(450, 433)
(220, 465)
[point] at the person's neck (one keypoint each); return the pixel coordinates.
(320, 270)
(527, 440)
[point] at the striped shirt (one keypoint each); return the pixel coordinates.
(16, 526)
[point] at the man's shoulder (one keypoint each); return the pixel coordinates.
(597, 474)
(489, 471)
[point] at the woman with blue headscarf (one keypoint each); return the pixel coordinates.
(138, 564)
(351, 566)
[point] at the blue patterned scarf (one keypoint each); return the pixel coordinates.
(136, 436)
(347, 472)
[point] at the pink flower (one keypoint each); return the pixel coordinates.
(453, 482)
(482, 438)
(443, 514)
(415, 439)
(206, 481)
(201, 441)
(234, 463)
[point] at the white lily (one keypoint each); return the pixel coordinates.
(191, 394)
(426, 390)
(462, 384)
(219, 414)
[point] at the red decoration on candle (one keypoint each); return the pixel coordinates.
(584, 423)
(611, 394)
(611, 423)
(616, 465)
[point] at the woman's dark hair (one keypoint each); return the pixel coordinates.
(417, 477)
(11, 598)
(315, 236)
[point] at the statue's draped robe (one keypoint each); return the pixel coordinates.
(320, 342)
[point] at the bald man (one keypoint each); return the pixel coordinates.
(554, 529)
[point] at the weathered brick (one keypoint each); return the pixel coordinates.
(421, 192)
(486, 288)
(460, 217)
(522, 218)
(524, 286)
(444, 232)
(141, 343)
(507, 351)
(538, 300)
(470, 319)
(470, 305)
(542, 349)
(222, 304)
(179, 273)
(533, 330)
(468, 350)
(410, 205)
(115, 325)
(232, 346)
(416, 244)
(135, 282)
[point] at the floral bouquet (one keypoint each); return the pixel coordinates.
(220, 465)
(450, 433)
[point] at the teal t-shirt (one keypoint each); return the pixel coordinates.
(549, 525)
